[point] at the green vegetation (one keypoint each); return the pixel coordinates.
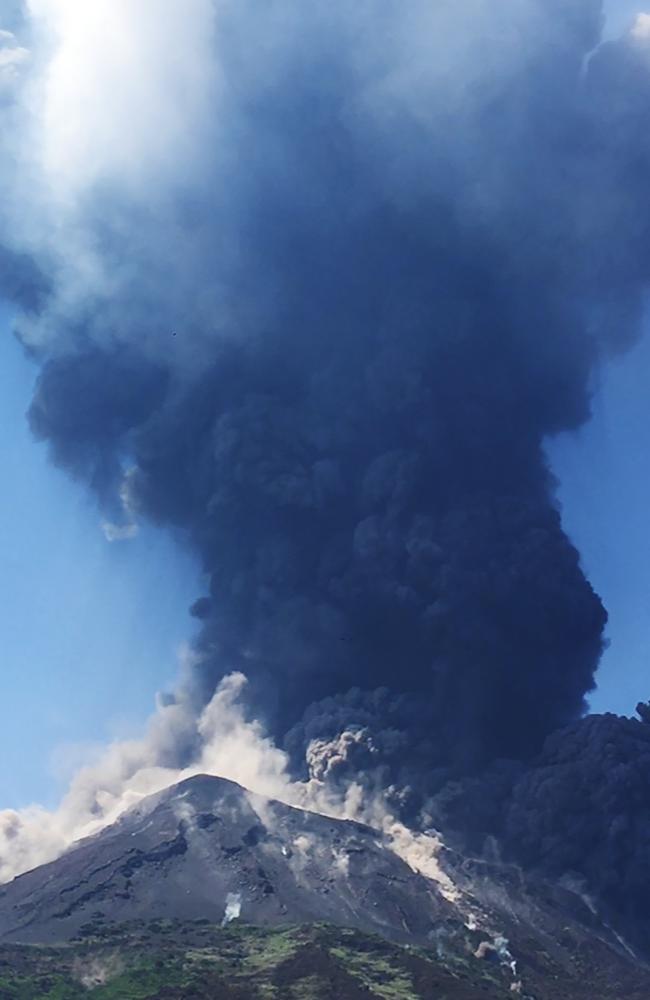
(170, 960)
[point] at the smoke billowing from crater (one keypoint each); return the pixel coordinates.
(315, 283)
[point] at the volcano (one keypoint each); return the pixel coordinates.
(207, 850)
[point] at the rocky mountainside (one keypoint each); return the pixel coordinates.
(207, 850)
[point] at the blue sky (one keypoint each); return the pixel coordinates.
(620, 13)
(604, 472)
(67, 595)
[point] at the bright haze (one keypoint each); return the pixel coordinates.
(312, 286)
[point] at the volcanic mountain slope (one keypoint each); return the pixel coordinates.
(208, 850)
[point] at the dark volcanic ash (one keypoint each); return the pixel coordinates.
(325, 336)
(584, 811)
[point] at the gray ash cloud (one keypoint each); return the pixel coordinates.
(332, 357)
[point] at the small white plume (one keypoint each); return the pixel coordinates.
(233, 908)
(95, 972)
(499, 947)
(118, 532)
(12, 59)
(641, 28)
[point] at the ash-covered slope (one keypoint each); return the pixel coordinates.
(207, 848)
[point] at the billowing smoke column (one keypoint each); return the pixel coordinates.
(314, 291)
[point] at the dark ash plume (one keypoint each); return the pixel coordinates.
(350, 325)
(584, 811)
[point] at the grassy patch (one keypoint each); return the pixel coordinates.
(170, 960)
(384, 977)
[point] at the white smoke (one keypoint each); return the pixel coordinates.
(500, 947)
(118, 532)
(233, 908)
(112, 102)
(12, 59)
(121, 90)
(229, 746)
(95, 972)
(123, 102)
(124, 773)
(640, 30)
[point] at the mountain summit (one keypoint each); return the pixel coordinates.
(207, 849)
